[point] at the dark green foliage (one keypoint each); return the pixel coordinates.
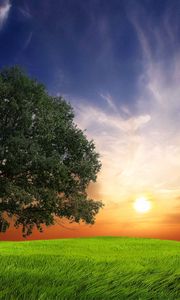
(46, 161)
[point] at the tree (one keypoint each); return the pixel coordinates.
(46, 161)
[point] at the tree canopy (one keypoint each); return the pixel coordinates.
(46, 161)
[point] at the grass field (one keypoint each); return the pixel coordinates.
(90, 268)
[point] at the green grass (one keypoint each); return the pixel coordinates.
(90, 268)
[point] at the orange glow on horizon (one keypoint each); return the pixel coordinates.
(114, 220)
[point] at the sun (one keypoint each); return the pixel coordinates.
(142, 205)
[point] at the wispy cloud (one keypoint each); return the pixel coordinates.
(4, 12)
(120, 143)
(28, 40)
(25, 11)
(141, 152)
(109, 100)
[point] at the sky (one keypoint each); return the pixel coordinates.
(118, 63)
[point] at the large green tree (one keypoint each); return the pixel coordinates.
(46, 161)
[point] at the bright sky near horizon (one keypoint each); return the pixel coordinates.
(118, 63)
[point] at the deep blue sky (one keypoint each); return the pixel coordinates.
(82, 49)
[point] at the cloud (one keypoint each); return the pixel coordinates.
(90, 115)
(140, 152)
(118, 140)
(108, 98)
(28, 40)
(25, 11)
(4, 12)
